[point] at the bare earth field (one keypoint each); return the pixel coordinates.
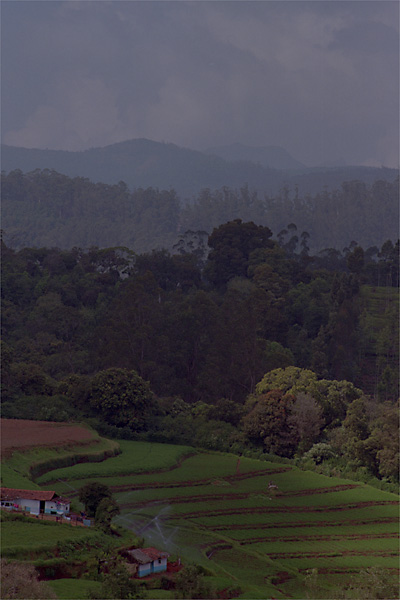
(18, 434)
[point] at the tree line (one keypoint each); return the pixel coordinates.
(240, 341)
(44, 208)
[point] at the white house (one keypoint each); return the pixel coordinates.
(34, 501)
(148, 560)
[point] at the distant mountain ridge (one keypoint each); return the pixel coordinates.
(272, 157)
(143, 163)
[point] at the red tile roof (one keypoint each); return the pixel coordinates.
(13, 494)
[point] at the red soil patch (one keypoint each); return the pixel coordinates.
(174, 567)
(20, 434)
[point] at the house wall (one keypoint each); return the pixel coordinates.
(29, 505)
(52, 507)
(156, 566)
(159, 565)
(144, 570)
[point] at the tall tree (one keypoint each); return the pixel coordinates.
(231, 245)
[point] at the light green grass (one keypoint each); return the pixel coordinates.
(332, 532)
(361, 493)
(334, 544)
(201, 466)
(33, 537)
(73, 589)
(305, 521)
(251, 571)
(22, 463)
(360, 561)
(370, 514)
(135, 457)
(12, 479)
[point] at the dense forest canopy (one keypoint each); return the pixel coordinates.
(44, 208)
(237, 340)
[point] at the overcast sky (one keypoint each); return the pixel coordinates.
(320, 78)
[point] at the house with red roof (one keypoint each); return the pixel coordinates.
(34, 501)
(147, 560)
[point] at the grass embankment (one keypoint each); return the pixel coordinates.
(145, 457)
(23, 466)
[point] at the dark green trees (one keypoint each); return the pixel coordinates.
(91, 495)
(122, 398)
(268, 422)
(231, 246)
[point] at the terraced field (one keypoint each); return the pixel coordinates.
(259, 525)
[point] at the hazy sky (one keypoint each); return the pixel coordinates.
(319, 78)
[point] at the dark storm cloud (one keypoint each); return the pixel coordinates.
(319, 78)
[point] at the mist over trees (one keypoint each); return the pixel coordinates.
(44, 208)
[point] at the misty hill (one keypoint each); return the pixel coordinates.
(143, 163)
(273, 157)
(46, 208)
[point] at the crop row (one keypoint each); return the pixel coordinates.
(389, 522)
(135, 457)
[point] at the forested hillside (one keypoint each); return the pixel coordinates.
(46, 208)
(246, 342)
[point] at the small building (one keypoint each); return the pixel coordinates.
(34, 501)
(147, 560)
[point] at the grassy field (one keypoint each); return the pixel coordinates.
(74, 589)
(24, 463)
(144, 458)
(19, 537)
(221, 512)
